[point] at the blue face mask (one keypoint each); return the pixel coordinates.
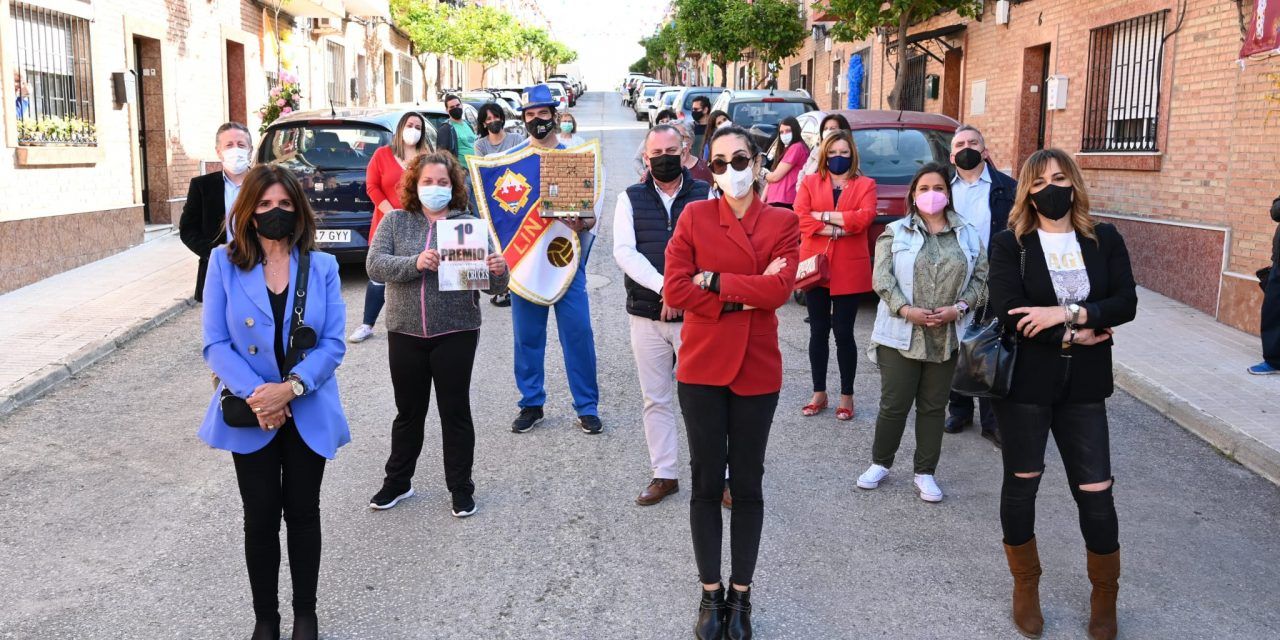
(839, 164)
(435, 198)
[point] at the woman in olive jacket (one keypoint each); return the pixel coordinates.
(1064, 281)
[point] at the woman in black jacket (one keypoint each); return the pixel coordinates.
(1064, 281)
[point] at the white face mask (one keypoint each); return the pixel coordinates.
(785, 138)
(235, 160)
(726, 123)
(736, 183)
(435, 197)
(411, 136)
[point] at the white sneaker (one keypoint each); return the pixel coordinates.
(871, 478)
(928, 488)
(361, 334)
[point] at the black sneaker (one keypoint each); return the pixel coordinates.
(590, 425)
(956, 424)
(463, 505)
(529, 416)
(388, 497)
(501, 300)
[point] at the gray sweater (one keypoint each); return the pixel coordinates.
(393, 256)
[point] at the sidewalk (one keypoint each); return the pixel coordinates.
(55, 328)
(1191, 368)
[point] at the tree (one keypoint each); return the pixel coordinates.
(859, 18)
(719, 29)
(640, 66)
(532, 42)
(662, 50)
(432, 31)
(777, 29)
(555, 54)
(489, 36)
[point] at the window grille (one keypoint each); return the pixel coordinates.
(336, 74)
(406, 79)
(54, 83)
(1122, 95)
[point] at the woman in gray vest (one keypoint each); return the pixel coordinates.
(930, 269)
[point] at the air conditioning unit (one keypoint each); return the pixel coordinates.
(1002, 12)
(828, 43)
(325, 26)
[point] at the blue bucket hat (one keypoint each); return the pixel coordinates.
(539, 95)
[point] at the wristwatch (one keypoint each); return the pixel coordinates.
(1074, 310)
(295, 383)
(704, 280)
(962, 307)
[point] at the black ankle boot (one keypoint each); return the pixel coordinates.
(267, 630)
(738, 625)
(305, 626)
(711, 614)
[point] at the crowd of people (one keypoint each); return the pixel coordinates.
(713, 238)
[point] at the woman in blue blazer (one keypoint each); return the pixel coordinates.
(248, 307)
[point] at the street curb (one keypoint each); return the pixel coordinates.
(37, 384)
(1230, 441)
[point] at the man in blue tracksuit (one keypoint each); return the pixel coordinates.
(573, 311)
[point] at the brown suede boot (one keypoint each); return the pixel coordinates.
(1024, 565)
(1104, 573)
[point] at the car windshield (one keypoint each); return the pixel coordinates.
(765, 115)
(648, 93)
(555, 91)
(304, 148)
(892, 156)
(669, 98)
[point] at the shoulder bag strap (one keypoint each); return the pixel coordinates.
(292, 356)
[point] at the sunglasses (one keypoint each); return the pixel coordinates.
(739, 163)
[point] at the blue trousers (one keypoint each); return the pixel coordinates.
(573, 320)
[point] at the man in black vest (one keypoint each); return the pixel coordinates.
(642, 225)
(210, 196)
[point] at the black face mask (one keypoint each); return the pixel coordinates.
(1054, 202)
(540, 128)
(494, 127)
(697, 115)
(665, 167)
(276, 224)
(968, 158)
(456, 113)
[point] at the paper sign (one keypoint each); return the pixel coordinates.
(463, 246)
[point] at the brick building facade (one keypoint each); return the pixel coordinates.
(70, 195)
(1172, 130)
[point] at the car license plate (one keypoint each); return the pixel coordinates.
(331, 236)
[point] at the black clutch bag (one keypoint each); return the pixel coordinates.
(236, 412)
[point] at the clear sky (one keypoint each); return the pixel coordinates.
(605, 33)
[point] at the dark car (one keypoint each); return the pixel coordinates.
(683, 103)
(892, 145)
(329, 151)
(759, 112)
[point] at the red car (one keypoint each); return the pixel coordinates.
(892, 145)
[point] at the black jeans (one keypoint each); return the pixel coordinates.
(1081, 433)
(724, 427)
(283, 476)
(375, 295)
(1271, 319)
(416, 364)
(825, 313)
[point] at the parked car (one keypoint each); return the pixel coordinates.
(329, 151)
(645, 97)
(558, 92)
(664, 100)
(632, 89)
(684, 100)
(892, 145)
(760, 111)
(572, 82)
(570, 99)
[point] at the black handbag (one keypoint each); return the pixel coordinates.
(988, 351)
(1263, 274)
(236, 411)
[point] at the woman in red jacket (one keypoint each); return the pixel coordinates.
(730, 265)
(381, 181)
(836, 206)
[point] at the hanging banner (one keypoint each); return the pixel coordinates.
(542, 252)
(1262, 33)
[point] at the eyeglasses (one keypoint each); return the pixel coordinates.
(739, 163)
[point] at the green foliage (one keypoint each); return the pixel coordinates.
(56, 130)
(662, 50)
(489, 35)
(776, 29)
(640, 66)
(859, 18)
(718, 29)
(431, 27)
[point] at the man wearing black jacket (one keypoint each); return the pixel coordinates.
(210, 196)
(1270, 364)
(642, 226)
(984, 197)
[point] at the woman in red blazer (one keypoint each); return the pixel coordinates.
(836, 206)
(730, 265)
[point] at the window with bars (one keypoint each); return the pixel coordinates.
(1122, 94)
(336, 73)
(796, 79)
(406, 79)
(54, 101)
(361, 82)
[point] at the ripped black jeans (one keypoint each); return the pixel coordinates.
(1080, 430)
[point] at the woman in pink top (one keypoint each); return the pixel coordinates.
(784, 174)
(380, 182)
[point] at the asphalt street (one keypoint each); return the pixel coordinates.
(117, 522)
